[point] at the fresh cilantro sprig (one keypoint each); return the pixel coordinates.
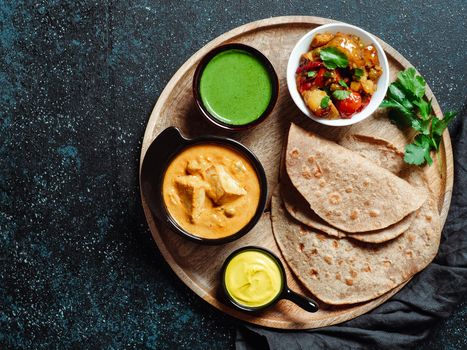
(341, 94)
(333, 58)
(358, 73)
(406, 99)
(343, 83)
(325, 102)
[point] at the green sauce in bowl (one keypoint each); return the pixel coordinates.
(235, 87)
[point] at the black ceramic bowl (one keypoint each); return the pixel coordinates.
(160, 153)
(285, 293)
(199, 71)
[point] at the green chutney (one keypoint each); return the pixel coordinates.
(235, 87)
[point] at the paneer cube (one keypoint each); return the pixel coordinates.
(192, 192)
(223, 188)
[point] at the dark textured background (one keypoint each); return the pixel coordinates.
(78, 80)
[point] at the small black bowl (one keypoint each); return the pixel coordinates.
(160, 153)
(305, 303)
(199, 71)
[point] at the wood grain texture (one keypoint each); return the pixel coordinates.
(198, 266)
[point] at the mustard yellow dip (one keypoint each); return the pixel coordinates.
(211, 191)
(253, 278)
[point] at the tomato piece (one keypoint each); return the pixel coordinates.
(319, 80)
(350, 105)
(305, 86)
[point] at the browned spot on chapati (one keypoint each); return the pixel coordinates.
(335, 198)
(354, 214)
(314, 273)
(294, 153)
(306, 173)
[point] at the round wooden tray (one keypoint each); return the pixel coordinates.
(198, 266)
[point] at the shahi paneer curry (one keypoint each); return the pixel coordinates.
(211, 190)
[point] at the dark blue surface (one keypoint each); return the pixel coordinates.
(78, 79)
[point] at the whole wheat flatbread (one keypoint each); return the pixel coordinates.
(346, 190)
(299, 209)
(379, 151)
(344, 271)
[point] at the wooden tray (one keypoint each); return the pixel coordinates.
(198, 266)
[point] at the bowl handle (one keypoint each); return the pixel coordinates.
(155, 159)
(304, 302)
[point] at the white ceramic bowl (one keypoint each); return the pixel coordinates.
(302, 47)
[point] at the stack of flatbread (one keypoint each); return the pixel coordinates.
(351, 221)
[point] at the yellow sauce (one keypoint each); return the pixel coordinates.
(253, 278)
(211, 191)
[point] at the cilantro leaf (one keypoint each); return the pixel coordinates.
(333, 58)
(311, 74)
(405, 113)
(397, 94)
(418, 152)
(424, 107)
(414, 154)
(448, 117)
(413, 85)
(327, 74)
(342, 83)
(409, 107)
(424, 142)
(325, 102)
(358, 73)
(422, 126)
(341, 94)
(438, 126)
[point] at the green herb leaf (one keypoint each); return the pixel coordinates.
(327, 74)
(422, 126)
(397, 94)
(438, 126)
(333, 58)
(413, 85)
(424, 142)
(325, 102)
(341, 94)
(342, 83)
(311, 74)
(358, 73)
(414, 154)
(409, 107)
(448, 117)
(424, 108)
(404, 113)
(418, 152)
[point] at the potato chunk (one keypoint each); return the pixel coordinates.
(313, 100)
(368, 86)
(321, 39)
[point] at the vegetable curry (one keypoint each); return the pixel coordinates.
(338, 76)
